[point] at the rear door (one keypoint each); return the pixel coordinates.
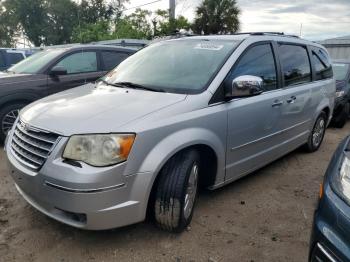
(254, 123)
(82, 67)
(300, 103)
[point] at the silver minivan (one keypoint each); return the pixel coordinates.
(178, 115)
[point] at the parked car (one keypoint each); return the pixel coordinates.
(330, 240)
(50, 71)
(181, 113)
(10, 57)
(342, 101)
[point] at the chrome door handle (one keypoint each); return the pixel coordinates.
(291, 100)
(277, 103)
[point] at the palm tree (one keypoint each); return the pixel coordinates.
(217, 17)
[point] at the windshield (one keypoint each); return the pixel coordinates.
(34, 63)
(340, 71)
(180, 66)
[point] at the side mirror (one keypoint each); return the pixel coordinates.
(244, 86)
(58, 71)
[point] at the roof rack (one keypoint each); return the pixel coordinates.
(266, 33)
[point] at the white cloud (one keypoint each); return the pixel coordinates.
(319, 18)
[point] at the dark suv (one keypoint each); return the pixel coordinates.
(51, 71)
(342, 102)
(10, 57)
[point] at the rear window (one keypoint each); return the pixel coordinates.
(112, 59)
(14, 58)
(295, 64)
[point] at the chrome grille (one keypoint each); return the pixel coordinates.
(32, 146)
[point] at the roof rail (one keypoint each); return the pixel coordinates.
(266, 33)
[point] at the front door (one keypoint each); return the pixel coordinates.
(81, 67)
(254, 123)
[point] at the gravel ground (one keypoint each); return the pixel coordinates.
(265, 216)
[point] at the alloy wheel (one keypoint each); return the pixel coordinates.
(191, 191)
(8, 120)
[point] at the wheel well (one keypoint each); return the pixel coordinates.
(24, 101)
(327, 111)
(208, 171)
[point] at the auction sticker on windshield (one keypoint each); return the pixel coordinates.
(208, 46)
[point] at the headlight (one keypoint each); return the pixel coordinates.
(341, 181)
(339, 94)
(99, 150)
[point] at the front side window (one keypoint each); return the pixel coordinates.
(177, 66)
(81, 62)
(112, 59)
(295, 64)
(258, 61)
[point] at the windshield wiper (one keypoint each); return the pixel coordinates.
(138, 86)
(108, 83)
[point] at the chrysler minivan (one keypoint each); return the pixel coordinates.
(181, 114)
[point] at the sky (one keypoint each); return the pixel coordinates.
(314, 19)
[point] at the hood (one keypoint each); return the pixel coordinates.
(90, 109)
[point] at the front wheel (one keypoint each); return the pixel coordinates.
(8, 116)
(176, 192)
(317, 134)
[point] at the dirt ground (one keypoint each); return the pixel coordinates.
(265, 216)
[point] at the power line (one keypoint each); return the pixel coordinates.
(142, 5)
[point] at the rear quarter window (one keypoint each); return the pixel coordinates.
(322, 64)
(295, 62)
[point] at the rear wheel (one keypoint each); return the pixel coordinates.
(8, 116)
(176, 192)
(317, 134)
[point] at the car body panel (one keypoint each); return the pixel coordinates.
(332, 217)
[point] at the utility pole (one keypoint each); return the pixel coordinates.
(172, 16)
(172, 9)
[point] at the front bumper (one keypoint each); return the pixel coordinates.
(330, 240)
(87, 197)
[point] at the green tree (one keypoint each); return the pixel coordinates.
(139, 22)
(43, 21)
(91, 32)
(165, 27)
(93, 11)
(8, 28)
(217, 17)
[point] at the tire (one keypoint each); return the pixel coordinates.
(176, 191)
(316, 136)
(8, 115)
(340, 120)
